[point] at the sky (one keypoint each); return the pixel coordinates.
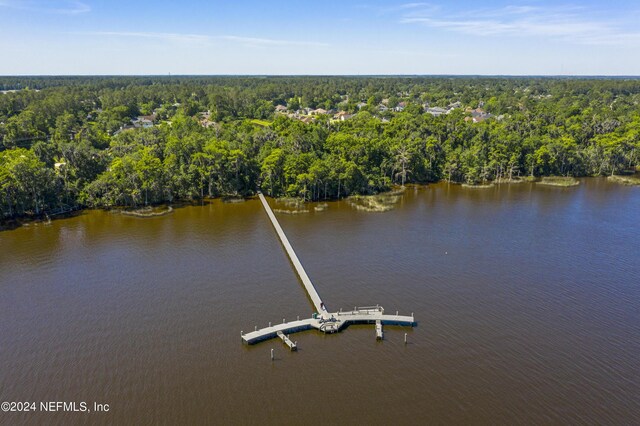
(283, 37)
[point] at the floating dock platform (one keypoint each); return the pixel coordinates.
(322, 319)
(335, 323)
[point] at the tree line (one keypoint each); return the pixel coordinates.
(61, 144)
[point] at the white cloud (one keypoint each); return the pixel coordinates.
(68, 7)
(253, 41)
(568, 23)
(200, 38)
(152, 35)
(413, 5)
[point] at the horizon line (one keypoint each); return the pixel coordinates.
(324, 75)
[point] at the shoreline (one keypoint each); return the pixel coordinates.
(547, 181)
(627, 180)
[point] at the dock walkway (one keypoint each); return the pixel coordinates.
(292, 345)
(308, 285)
(322, 320)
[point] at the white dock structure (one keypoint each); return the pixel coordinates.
(311, 290)
(292, 345)
(321, 320)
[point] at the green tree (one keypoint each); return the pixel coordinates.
(24, 181)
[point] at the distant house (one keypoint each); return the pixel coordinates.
(455, 105)
(361, 105)
(382, 108)
(482, 118)
(400, 107)
(123, 128)
(143, 121)
(140, 122)
(281, 108)
(342, 116)
(319, 111)
(437, 111)
(204, 118)
(478, 115)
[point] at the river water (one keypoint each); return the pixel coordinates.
(527, 300)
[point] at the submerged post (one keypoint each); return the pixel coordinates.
(272, 354)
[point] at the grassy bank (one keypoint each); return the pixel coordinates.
(631, 180)
(563, 181)
(374, 203)
(290, 205)
(478, 186)
(148, 211)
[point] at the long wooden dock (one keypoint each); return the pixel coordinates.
(308, 285)
(321, 320)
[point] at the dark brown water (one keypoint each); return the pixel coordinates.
(527, 298)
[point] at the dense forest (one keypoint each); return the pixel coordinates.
(133, 141)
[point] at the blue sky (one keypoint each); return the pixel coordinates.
(323, 37)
